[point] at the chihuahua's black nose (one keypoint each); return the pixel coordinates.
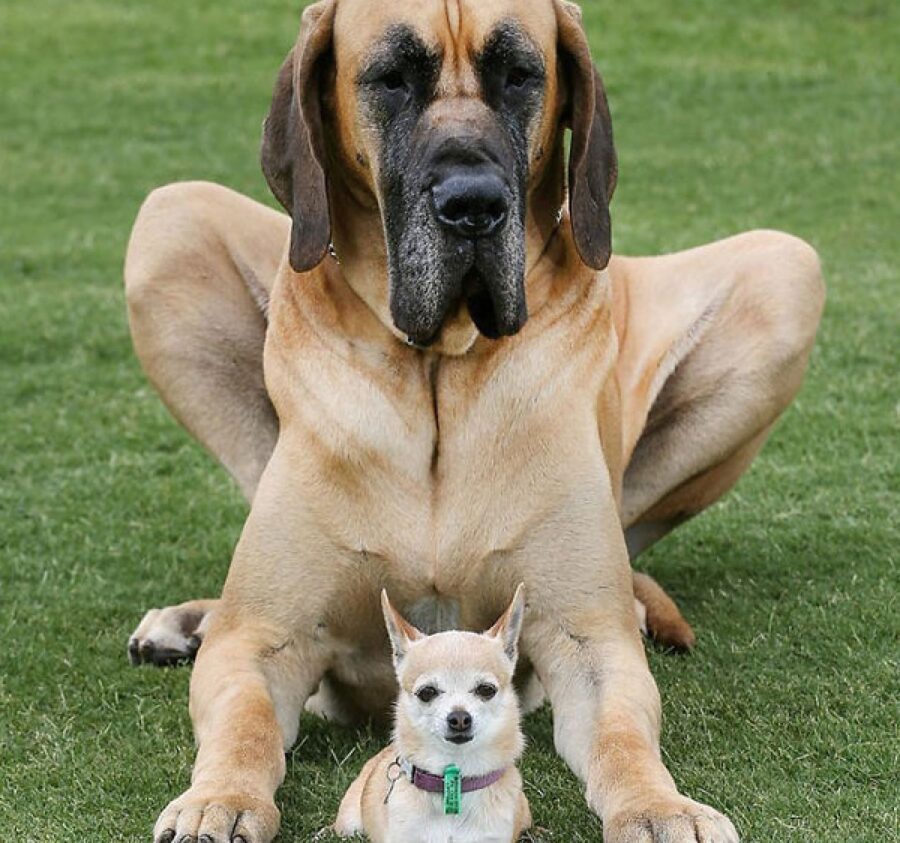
(459, 721)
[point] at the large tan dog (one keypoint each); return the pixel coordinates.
(467, 393)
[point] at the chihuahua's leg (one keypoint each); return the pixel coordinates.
(350, 815)
(171, 635)
(523, 819)
(606, 716)
(247, 690)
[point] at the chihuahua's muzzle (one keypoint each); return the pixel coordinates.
(459, 727)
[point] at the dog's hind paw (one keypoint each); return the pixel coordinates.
(659, 616)
(169, 636)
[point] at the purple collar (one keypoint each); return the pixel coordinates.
(435, 784)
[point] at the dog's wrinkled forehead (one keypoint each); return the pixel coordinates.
(452, 32)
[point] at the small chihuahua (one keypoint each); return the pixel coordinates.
(450, 774)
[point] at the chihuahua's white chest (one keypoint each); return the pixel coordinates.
(417, 817)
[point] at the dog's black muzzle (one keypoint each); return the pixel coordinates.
(463, 238)
(473, 203)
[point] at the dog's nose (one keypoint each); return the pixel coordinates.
(472, 204)
(459, 721)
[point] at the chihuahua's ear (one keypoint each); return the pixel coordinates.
(509, 627)
(400, 631)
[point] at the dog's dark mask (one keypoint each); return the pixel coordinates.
(452, 174)
(453, 177)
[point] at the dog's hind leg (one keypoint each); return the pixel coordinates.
(200, 263)
(714, 346)
(331, 702)
(528, 687)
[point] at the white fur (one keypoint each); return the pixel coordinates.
(487, 815)
(429, 720)
(417, 817)
(455, 664)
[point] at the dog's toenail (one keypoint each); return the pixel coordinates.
(167, 836)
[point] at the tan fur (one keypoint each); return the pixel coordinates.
(631, 399)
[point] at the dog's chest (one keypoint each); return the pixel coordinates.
(440, 464)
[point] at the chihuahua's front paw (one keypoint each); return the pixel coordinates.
(202, 815)
(676, 820)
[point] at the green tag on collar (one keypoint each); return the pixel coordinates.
(452, 789)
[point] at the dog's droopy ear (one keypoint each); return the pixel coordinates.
(592, 158)
(509, 627)
(293, 146)
(400, 631)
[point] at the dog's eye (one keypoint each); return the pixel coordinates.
(486, 691)
(518, 77)
(427, 693)
(393, 81)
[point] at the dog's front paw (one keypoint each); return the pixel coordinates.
(676, 820)
(206, 816)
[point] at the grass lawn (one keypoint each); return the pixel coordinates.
(728, 116)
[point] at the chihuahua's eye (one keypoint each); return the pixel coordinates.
(427, 693)
(486, 691)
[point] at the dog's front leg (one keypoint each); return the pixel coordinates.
(247, 690)
(606, 717)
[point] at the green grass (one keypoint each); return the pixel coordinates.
(728, 116)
